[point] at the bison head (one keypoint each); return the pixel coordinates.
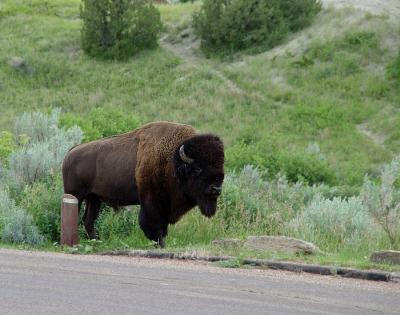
(199, 163)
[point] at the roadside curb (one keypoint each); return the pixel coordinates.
(264, 263)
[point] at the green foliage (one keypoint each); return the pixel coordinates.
(240, 24)
(118, 29)
(297, 166)
(250, 202)
(102, 122)
(393, 70)
(116, 225)
(7, 145)
(16, 226)
(42, 201)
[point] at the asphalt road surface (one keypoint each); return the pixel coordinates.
(48, 283)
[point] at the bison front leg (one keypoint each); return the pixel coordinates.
(92, 210)
(153, 227)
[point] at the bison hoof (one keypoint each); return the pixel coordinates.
(160, 243)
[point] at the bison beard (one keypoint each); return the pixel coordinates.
(165, 167)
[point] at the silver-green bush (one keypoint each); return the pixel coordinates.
(45, 149)
(253, 201)
(16, 226)
(37, 126)
(333, 223)
(383, 200)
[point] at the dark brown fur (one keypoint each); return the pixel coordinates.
(144, 167)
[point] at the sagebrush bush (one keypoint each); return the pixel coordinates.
(383, 201)
(35, 126)
(41, 155)
(334, 223)
(118, 29)
(239, 24)
(101, 122)
(250, 201)
(16, 226)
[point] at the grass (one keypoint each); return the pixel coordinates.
(318, 87)
(318, 94)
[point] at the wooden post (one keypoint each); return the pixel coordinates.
(69, 220)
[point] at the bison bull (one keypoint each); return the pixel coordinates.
(165, 167)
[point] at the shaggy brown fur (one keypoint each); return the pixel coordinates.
(145, 167)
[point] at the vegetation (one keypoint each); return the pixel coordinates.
(312, 117)
(101, 122)
(119, 29)
(231, 25)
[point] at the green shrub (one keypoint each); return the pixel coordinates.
(42, 200)
(231, 25)
(251, 202)
(7, 145)
(115, 225)
(393, 69)
(118, 29)
(16, 226)
(297, 166)
(102, 122)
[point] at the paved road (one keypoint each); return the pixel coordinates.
(47, 283)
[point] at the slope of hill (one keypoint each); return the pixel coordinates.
(323, 92)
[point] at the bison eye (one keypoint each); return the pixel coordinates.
(197, 171)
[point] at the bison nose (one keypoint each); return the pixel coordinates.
(216, 190)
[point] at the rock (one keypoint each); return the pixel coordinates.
(281, 244)
(20, 65)
(386, 257)
(228, 243)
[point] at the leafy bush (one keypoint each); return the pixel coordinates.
(119, 28)
(115, 224)
(239, 24)
(16, 226)
(42, 201)
(7, 145)
(333, 223)
(302, 166)
(393, 69)
(383, 201)
(101, 122)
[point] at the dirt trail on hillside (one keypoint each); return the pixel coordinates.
(389, 7)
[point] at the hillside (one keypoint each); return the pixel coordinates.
(323, 92)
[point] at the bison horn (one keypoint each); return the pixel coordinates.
(183, 155)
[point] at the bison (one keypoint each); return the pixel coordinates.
(166, 168)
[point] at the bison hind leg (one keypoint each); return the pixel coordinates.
(92, 210)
